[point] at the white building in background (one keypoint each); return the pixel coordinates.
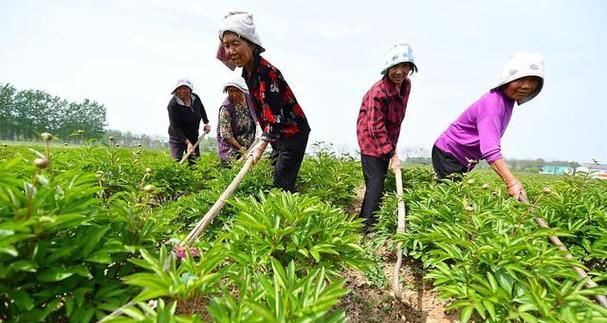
(595, 170)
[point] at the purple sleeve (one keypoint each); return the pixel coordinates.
(489, 138)
(489, 125)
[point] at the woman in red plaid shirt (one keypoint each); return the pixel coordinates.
(378, 126)
(282, 120)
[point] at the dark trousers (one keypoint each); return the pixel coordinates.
(374, 172)
(179, 148)
(446, 164)
(287, 155)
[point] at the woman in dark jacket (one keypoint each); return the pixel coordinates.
(185, 112)
(282, 120)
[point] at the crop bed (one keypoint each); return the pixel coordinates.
(90, 235)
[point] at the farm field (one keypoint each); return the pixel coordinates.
(91, 235)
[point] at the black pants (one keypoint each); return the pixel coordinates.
(446, 164)
(287, 155)
(374, 171)
(177, 150)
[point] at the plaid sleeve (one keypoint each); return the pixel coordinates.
(376, 123)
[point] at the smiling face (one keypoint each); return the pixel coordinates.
(522, 88)
(239, 50)
(398, 73)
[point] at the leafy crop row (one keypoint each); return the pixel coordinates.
(89, 233)
(484, 253)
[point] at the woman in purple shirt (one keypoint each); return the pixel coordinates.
(477, 133)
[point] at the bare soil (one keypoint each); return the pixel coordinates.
(367, 303)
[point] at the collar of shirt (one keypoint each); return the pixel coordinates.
(245, 75)
(391, 87)
(180, 101)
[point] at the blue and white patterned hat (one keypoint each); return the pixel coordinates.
(398, 53)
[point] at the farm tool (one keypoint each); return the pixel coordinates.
(400, 229)
(195, 145)
(214, 211)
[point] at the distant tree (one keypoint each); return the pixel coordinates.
(25, 114)
(7, 106)
(129, 139)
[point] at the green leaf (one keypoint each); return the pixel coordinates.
(261, 311)
(55, 274)
(466, 313)
(279, 273)
(315, 255)
(148, 294)
(528, 317)
(9, 251)
(63, 221)
(23, 300)
(492, 281)
(93, 237)
(24, 265)
(490, 308)
(134, 313)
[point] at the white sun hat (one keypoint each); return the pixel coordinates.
(522, 64)
(238, 82)
(185, 82)
(242, 24)
(398, 53)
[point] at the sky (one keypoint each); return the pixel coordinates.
(128, 55)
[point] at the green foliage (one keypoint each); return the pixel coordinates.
(329, 177)
(79, 239)
(53, 249)
(164, 278)
(285, 296)
(484, 252)
(153, 312)
(293, 227)
(67, 233)
(93, 233)
(578, 204)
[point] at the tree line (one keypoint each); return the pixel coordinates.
(129, 139)
(527, 165)
(25, 114)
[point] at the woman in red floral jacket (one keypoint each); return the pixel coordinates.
(282, 120)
